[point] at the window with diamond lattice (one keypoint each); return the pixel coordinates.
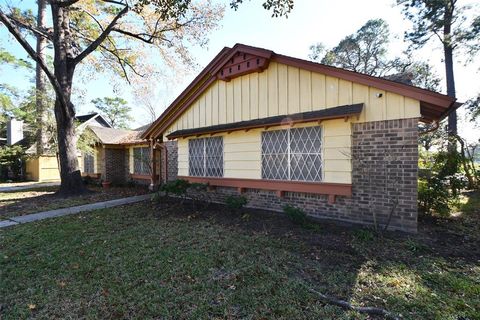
(88, 163)
(205, 157)
(141, 160)
(292, 154)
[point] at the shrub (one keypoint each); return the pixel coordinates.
(236, 202)
(177, 187)
(433, 196)
(296, 215)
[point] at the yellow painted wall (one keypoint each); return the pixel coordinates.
(283, 89)
(32, 169)
(43, 168)
(242, 152)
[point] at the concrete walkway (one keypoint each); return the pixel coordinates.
(27, 186)
(72, 210)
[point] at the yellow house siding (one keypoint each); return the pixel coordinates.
(242, 154)
(182, 145)
(283, 89)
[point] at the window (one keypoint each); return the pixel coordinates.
(88, 163)
(292, 154)
(205, 157)
(141, 160)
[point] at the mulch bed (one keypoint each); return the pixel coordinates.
(436, 236)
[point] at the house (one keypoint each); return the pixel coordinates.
(280, 130)
(119, 156)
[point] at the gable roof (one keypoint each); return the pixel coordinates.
(109, 135)
(118, 136)
(433, 105)
(87, 119)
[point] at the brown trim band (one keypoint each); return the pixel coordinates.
(330, 189)
(140, 176)
(91, 175)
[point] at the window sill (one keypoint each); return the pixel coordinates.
(327, 188)
(140, 176)
(91, 175)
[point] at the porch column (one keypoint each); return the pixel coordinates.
(153, 165)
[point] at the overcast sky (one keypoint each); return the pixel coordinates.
(311, 21)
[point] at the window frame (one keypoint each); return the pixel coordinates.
(290, 154)
(141, 159)
(206, 157)
(89, 156)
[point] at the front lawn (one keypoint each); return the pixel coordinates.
(143, 261)
(22, 202)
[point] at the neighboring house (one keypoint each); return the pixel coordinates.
(281, 130)
(119, 156)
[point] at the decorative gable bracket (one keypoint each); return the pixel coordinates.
(240, 63)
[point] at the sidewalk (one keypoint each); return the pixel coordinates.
(72, 210)
(4, 187)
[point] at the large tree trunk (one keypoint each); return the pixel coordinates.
(40, 82)
(448, 53)
(71, 181)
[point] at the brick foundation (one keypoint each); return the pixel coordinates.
(384, 163)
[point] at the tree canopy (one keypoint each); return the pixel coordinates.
(115, 110)
(366, 51)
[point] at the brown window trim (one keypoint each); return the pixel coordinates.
(140, 176)
(328, 188)
(91, 175)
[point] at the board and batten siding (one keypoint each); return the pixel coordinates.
(282, 90)
(243, 157)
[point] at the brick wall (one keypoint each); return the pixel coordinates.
(384, 163)
(172, 161)
(115, 166)
(385, 171)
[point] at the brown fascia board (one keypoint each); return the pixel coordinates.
(186, 92)
(443, 101)
(290, 119)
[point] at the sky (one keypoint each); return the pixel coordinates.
(310, 21)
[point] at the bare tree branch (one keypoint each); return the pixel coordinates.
(64, 3)
(94, 45)
(33, 54)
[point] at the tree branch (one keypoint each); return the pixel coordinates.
(35, 30)
(64, 3)
(94, 45)
(33, 54)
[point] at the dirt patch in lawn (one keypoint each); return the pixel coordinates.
(18, 203)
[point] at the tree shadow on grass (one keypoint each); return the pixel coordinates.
(396, 271)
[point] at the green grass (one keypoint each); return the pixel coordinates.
(130, 263)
